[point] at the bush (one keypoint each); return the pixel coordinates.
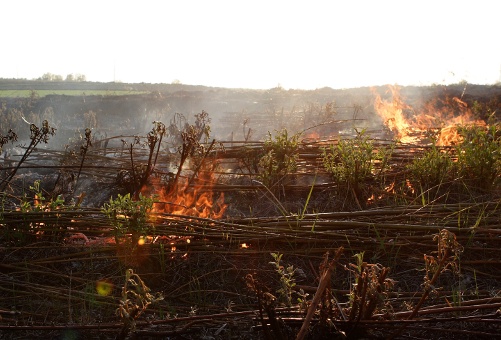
(280, 158)
(129, 216)
(432, 168)
(479, 156)
(352, 163)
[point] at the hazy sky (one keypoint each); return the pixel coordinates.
(254, 43)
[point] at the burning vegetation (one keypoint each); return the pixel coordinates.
(444, 116)
(350, 220)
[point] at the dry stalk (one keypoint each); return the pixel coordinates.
(136, 297)
(266, 304)
(447, 257)
(83, 152)
(323, 284)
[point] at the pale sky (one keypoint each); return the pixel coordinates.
(254, 44)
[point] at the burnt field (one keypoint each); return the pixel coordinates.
(189, 213)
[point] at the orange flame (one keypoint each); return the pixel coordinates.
(442, 116)
(392, 113)
(312, 136)
(183, 199)
(446, 115)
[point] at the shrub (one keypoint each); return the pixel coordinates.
(280, 158)
(353, 162)
(432, 168)
(479, 156)
(129, 216)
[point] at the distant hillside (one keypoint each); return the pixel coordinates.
(38, 85)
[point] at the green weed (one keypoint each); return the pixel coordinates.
(129, 216)
(32, 224)
(432, 171)
(479, 156)
(432, 168)
(287, 280)
(280, 158)
(352, 163)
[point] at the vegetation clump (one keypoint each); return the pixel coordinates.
(479, 156)
(472, 165)
(354, 163)
(432, 171)
(129, 216)
(279, 159)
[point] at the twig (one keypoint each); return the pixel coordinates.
(325, 279)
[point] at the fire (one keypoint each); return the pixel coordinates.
(311, 137)
(442, 116)
(446, 115)
(392, 113)
(185, 199)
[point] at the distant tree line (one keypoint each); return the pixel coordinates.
(57, 77)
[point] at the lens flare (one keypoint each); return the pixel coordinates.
(104, 287)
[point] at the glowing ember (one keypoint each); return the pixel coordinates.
(141, 241)
(311, 137)
(409, 186)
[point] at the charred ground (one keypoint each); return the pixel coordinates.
(387, 256)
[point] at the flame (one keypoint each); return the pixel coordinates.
(392, 113)
(445, 115)
(184, 199)
(409, 186)
(389, 189)
(442, 116)
(312, 136)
